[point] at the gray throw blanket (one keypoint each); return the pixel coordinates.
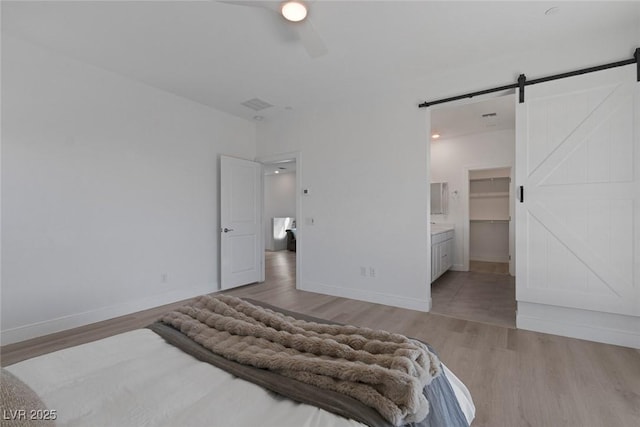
(385, 371)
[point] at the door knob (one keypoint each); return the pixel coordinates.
(226, 230)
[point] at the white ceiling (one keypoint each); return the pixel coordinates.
(455, 121)
(285, 166)
(221, 55)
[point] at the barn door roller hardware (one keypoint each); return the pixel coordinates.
(522, 80)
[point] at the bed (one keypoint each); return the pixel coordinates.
(138, 378)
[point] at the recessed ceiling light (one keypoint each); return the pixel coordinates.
(294, 11)
(435, 136)
(277, 172)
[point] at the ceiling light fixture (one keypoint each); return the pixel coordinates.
(435, 136)
(294, 11)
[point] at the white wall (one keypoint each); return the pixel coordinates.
(450, 160)
(365, 169)
(107, 184)
(279, 201)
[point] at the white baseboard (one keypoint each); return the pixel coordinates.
(38, 329)
(589, 325)
(368, 296)
(458, 267)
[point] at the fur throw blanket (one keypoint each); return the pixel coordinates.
(382, 370)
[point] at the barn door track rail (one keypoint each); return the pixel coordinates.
(522, 80)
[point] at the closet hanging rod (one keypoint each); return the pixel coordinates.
(522, 81)
(493, 178)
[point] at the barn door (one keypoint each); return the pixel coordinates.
(577, 158)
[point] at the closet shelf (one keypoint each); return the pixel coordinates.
(492, 221)
(497, 178)
(489, 195)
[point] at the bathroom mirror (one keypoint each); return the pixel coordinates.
(439, 198)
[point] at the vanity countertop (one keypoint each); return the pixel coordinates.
(440, 228)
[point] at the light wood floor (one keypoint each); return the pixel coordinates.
(517, 378)
(489, 267)
(480, 295)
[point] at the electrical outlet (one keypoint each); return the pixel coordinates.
(372, 272)
(363, 271)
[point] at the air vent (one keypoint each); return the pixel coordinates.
(256, 104)
(489, 115)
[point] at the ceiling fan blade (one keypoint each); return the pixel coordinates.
(310, 39)
(271, 5)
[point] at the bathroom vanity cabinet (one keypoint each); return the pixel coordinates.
(441, 250)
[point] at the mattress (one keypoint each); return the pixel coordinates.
(137, 379)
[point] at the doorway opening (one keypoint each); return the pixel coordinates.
(491, 239)
(472, 235)
(281, 204)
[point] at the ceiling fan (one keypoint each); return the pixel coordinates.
(295, 14)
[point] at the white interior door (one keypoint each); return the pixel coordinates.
(240, 222)
(577, 156)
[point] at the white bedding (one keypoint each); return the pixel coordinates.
(137, 379)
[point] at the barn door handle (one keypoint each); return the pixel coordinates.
(522, 194)
(226, 230)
